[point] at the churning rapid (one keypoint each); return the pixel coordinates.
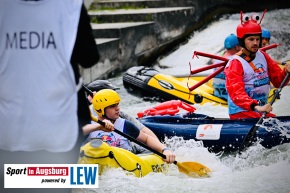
(256, 170)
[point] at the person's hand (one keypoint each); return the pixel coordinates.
(266, 108)
(170, 157)
(109, 126)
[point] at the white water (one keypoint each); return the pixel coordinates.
(260, 170)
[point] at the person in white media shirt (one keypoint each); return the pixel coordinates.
(42, 44)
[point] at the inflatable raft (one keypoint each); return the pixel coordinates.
(148, 82)
(99, 152)
(145, 81)
(217, 134)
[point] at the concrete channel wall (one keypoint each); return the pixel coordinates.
(136, 32)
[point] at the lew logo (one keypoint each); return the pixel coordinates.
(84, 175)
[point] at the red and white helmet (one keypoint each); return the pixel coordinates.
(249, 25)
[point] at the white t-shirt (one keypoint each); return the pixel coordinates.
(38, 96)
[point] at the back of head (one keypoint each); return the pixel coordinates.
(98, 85)
(249, 26)
(103, 99)
(231, 41)
(266, 33)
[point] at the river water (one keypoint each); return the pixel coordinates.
(257, 170)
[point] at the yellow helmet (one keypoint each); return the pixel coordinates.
(103, 99)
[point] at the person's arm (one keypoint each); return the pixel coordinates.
(236, 87)
(96, 126)
(85, 52)
(133, 131)
(276, 74)
(149, 132)
(157, 145)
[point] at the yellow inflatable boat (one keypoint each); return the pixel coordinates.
(99, 152)
(148, 82)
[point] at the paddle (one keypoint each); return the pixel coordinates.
(88, 91)
(189, 168)
(254, 129)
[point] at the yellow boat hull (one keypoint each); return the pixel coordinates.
(208, 89)
(181, 89)
(144, 81)
(98, 152)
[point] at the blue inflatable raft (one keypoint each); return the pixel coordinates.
(218, 134)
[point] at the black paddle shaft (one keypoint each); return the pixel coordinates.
(254, 129)
(88, 91)
(135, 141)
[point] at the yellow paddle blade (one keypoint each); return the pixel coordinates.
(193, 169)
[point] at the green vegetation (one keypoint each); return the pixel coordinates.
(149, 17)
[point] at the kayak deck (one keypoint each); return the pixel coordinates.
(98, 152)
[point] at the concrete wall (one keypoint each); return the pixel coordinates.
(88, 3)
(137, 46)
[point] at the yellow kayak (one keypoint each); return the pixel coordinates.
(99, 152)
